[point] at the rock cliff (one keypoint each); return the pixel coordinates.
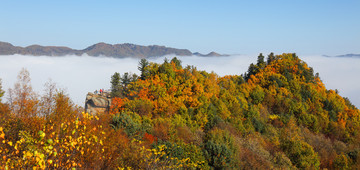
(97, 103)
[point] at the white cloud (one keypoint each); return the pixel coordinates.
(338, 73)
(82, 74)
(78, 75)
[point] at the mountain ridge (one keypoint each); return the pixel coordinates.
(101, 49)
(351, 55)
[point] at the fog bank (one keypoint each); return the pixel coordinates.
(81, 74)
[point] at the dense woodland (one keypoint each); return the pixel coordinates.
(277, 115)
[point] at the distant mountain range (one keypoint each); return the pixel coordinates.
(346, 55)
(100, 49)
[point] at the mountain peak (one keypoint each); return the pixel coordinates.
(211, 54)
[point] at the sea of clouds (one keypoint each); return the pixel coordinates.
(78, 75)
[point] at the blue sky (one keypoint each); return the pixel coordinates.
(306, 27)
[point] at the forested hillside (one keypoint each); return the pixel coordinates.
(278, 115)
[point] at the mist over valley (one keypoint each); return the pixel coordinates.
(78, 75)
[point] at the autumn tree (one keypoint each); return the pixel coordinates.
(115, 85)
(260, 61)
(143, 63)
(301, 154)
(3, 107)
(127, 78)
(255, 68)
(48, 100)
(124, 121)
(271, 57)
(1, 90)
(63, 109)
(341, 162)
(220, 150)
(177, 62)
(22, 98)
(251, 71)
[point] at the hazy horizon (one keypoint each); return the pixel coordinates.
(79, 75)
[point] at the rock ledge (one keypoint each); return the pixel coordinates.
(97, 103)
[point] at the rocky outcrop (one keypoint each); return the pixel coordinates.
(97, 103)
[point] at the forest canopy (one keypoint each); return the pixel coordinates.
(276, 115)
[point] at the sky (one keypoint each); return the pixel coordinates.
(306, 27)
(240, 27)
(78, 75)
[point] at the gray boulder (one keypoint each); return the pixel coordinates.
(97, 103)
